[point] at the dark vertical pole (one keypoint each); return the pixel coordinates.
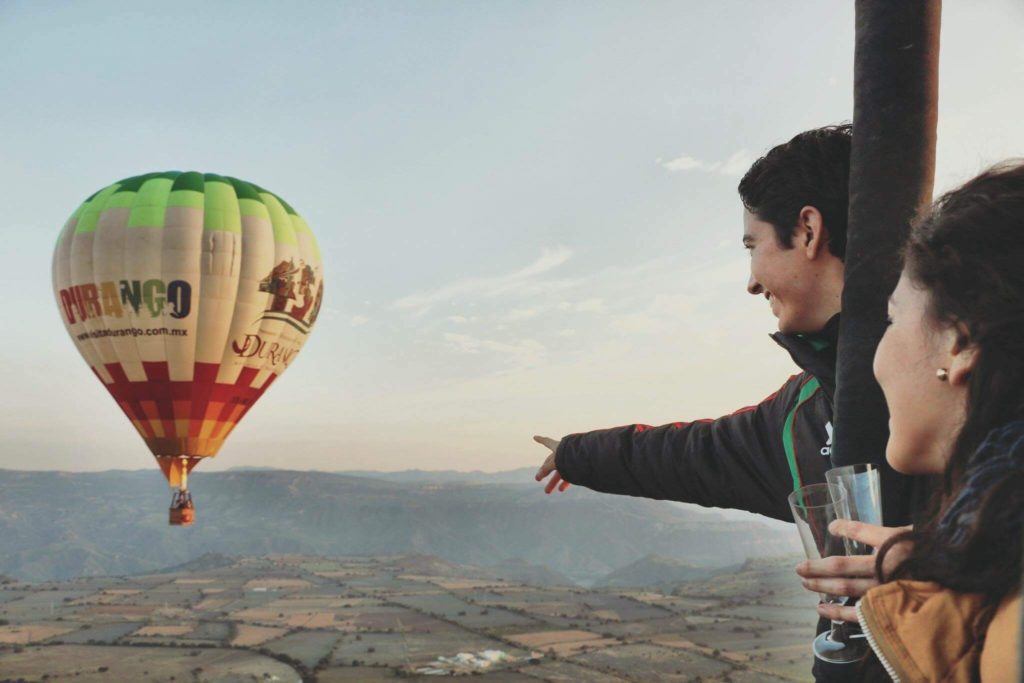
(892, 171)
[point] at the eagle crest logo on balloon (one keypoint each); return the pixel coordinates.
(296, 294)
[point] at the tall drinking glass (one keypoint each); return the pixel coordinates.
(814, 508)
(862, 489)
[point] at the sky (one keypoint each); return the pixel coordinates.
(527, 210)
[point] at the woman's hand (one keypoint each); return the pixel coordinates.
(851, 575)
(549, 466)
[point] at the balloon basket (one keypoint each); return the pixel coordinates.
(182, 512)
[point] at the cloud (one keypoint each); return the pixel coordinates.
(456, 318)
(736, 165)
(519, 314)
(591, 306)
(358, 320)
(516, 281)
(682, 163)
(640, 324)
(524, 351)
(463, 342)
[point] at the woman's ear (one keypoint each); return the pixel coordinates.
(963, 355)
(811, 235)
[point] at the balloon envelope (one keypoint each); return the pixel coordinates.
(187, 294)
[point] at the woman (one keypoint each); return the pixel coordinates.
(951, 365)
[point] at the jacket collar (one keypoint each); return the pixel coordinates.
(815, 352)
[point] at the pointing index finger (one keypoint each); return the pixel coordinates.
(547, 441)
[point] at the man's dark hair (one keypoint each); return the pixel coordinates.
(812, 169)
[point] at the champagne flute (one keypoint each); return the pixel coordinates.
(861, 485)
(815, 507)
(862, 489)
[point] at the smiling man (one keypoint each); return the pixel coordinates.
(794, 226)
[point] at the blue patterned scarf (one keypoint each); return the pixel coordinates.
(1000, 454)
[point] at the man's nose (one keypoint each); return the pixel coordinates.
(753, 286)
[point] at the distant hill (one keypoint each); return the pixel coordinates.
(521, 571)
(203, 563)
(429, 565)
(56, 525)
(770, 578)
(654, 570)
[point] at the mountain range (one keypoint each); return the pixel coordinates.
(57, 525)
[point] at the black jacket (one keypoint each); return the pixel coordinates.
(750, 460)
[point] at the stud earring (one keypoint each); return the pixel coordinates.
(942, 374)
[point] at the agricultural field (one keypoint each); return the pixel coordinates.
(92, 664)
(652, 662)
(301, 618)
(100, 633)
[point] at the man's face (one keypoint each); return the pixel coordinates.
(784, 277)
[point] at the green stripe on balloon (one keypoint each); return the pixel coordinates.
(253, 207)
(220, 208)
(150, 203)
(223, 200)
(249, 201)
(135, 182)
(244, 190)
(91, 211)
(120, 200)
(284, 232)
(301, 227)
(285, 205)
(187, 198)
(191, 180)
(215, 178)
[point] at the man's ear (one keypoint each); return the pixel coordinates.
(811, 234)
(963, 355)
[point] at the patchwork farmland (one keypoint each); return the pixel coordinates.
(300, 618)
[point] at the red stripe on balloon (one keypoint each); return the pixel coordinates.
(204, 377)
(198, 400)
(159, 379)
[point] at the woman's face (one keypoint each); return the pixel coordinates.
(925, 412)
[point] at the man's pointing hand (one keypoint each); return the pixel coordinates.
(549, 466)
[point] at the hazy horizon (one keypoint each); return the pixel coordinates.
(266, 467)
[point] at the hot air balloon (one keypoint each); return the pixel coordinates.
(187, 294)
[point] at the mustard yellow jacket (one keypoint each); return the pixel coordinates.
(924, 632)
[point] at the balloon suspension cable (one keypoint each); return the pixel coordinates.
(184, 475)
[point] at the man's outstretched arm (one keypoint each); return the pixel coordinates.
(737, 461)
